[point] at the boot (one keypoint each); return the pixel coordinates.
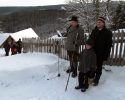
(83, 90)
(69, 71)
(74, 75)
(86, 85)
(78, 87)
(74, 67)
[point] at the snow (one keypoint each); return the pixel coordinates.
(57, 37)
(63, 8)
(2, 53)
(21, 61)
(24, 77)
(121, 30)
(29, 3)
(3, 37)
(27, 33)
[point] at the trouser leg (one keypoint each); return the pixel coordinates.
(70, 60)
(73, 60)
(86, 77)
(81, 79)
(86, 85)
(74, 64)
(7, 53)
(98, 70)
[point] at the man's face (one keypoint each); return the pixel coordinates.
(73, 23)
(88, 46)
(100, 24)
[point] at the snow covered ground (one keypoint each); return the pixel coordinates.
(24, 77)
(2, 53)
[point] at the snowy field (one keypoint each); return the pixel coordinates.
(24, 77)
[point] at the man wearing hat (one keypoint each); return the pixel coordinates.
(102, 38)
(75, 38)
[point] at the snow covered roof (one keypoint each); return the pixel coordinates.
(27, 33)
(3, 37)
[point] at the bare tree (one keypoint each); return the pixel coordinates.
(89, 10)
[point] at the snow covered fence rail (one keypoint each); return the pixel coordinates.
(57, 46)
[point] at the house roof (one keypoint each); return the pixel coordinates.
(3, 37)
(27, 33)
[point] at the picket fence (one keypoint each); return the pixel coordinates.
(57, 46)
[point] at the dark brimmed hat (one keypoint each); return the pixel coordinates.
(101, 19)
(74, 18)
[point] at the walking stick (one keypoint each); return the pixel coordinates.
(67, 82)
(72, 63)
(58, 61)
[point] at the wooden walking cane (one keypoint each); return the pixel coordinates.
(72, 63)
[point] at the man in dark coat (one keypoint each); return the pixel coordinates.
(75, 38)
(102, 38)
(19, 46)
(7, 47)
(87, 66)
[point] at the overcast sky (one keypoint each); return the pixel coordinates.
(30, 2)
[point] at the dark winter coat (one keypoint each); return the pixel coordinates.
(14, 48)
(7, 46)
(19, 44)
(87, 61)
(75, 38)
(102, 42)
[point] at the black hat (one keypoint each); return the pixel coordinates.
(101, 19)
(74, 18)
(90, 42)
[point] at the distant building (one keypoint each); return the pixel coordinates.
(27, 33)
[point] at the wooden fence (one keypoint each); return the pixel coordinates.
(57, 46)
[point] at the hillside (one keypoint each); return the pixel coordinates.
(13, 9)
